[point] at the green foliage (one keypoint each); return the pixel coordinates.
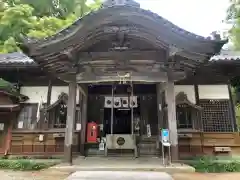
(37, 19)
(58, 8)
(211, 165)
(233, 17)
(23, 165)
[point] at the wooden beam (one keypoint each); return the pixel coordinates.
(87, 57)
(98, 79)
(69, 130)
(135, 76)
(172, 122)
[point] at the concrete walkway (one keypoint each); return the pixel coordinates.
(122, 164)
(59, 175)
(109, 175)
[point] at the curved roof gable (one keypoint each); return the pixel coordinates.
(138, 21)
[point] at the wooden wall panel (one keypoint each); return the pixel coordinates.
(195, 146)
(28, 143)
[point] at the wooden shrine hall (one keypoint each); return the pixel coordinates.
(114, 55)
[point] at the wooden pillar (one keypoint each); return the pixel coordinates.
(83, 120)
(79, 118)
(199, 120)
(172, 122)
(49, 92)
(232, 110)
(46, 116)
(159, 113)
(69, 130)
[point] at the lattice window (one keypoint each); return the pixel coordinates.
(216, 115)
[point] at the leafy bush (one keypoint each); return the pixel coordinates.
(23, 165)
(207, 164)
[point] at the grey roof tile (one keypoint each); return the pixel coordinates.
(226, 55)
(18, 58)
(15, 58)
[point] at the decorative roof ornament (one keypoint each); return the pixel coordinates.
(110, 3)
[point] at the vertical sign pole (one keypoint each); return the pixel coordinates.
(112, 109)
(131, 103)
(165, 142)
(170, 157)
(163, 159)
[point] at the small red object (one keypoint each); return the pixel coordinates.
(92, 132)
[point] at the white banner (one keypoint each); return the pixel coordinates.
(125, 102)
(133, 101)
(117, 102)
(108, 102)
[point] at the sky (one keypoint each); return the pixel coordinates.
(198, 16)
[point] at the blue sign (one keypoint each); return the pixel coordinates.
(165, 136)
(165, 132)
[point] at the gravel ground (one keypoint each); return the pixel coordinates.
(207, 176)
(41, 175)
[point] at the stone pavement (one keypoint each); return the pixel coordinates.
(59, 175)
(118, 175)
(122, 164)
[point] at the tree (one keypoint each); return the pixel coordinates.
(58, 8)
(233, 17)
(17, 19)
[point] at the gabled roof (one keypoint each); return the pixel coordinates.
(182, 99)
(109, 15)
(72, 52)
(63, 97)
